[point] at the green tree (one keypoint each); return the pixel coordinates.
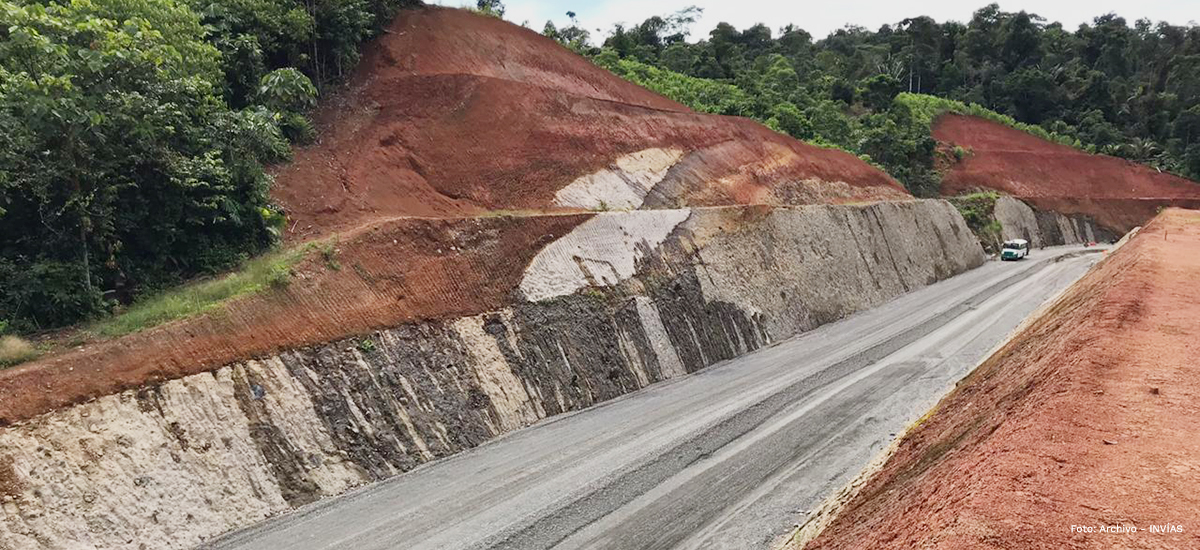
(122, 165)
(830, 124)
(572, 36)
(878, 91)
(1033, 95)
(490, 7)
(788, 119)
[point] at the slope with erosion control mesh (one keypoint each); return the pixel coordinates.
(452, 113)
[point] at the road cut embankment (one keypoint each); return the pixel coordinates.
(1080, 432)
(1019, 220)
(620, 301)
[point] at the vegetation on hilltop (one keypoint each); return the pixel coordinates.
(134, 134)
(1107, 87)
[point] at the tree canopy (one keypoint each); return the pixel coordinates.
(134, 134)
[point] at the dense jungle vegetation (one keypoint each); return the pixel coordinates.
(134, 134)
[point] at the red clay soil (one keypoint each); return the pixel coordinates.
(389, 274)
(1090, 417)
(1120, 215)
(452, 113)
(1116, 192)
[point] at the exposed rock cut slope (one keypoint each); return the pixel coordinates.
(669, 292)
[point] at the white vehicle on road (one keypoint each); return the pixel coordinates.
(1014, 249)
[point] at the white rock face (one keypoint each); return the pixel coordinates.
(806, 266)
(173, 465)
(170, 466)
(623, 185)
(495, 377)
(602, 251)
(1043, 228)
(668, 358)
(1017, 221)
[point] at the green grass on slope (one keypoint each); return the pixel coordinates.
(699, 94)
(271, 270)
(978, 210)
(705, 95)
(927, 108)
(14, 350)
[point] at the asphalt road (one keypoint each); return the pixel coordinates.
(731, 457)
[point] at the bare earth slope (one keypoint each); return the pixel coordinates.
(1117, 193)
(453, 113)
(1086, 418)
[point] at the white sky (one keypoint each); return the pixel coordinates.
(822, 17)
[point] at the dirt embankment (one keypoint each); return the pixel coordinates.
(452, 113)
(1087, 418)
(1117, 193)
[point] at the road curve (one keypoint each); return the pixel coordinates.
(730, 457)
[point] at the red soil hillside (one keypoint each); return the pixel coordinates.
(1088, 417)
(454, 113)
(440, 41)
(1116, 192)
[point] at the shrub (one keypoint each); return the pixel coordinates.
(701, 94)
(270, 271)
(978, 210)
(329, 253)
(14, 351)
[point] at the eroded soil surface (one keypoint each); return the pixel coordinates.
(1087, 418)
(1115, 192)
(454, 114)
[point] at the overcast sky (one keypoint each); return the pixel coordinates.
(822, 17)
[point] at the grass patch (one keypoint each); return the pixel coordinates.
(978, 210)
(269, 271)
(329, 253)
(926, 108)
(14, 351)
